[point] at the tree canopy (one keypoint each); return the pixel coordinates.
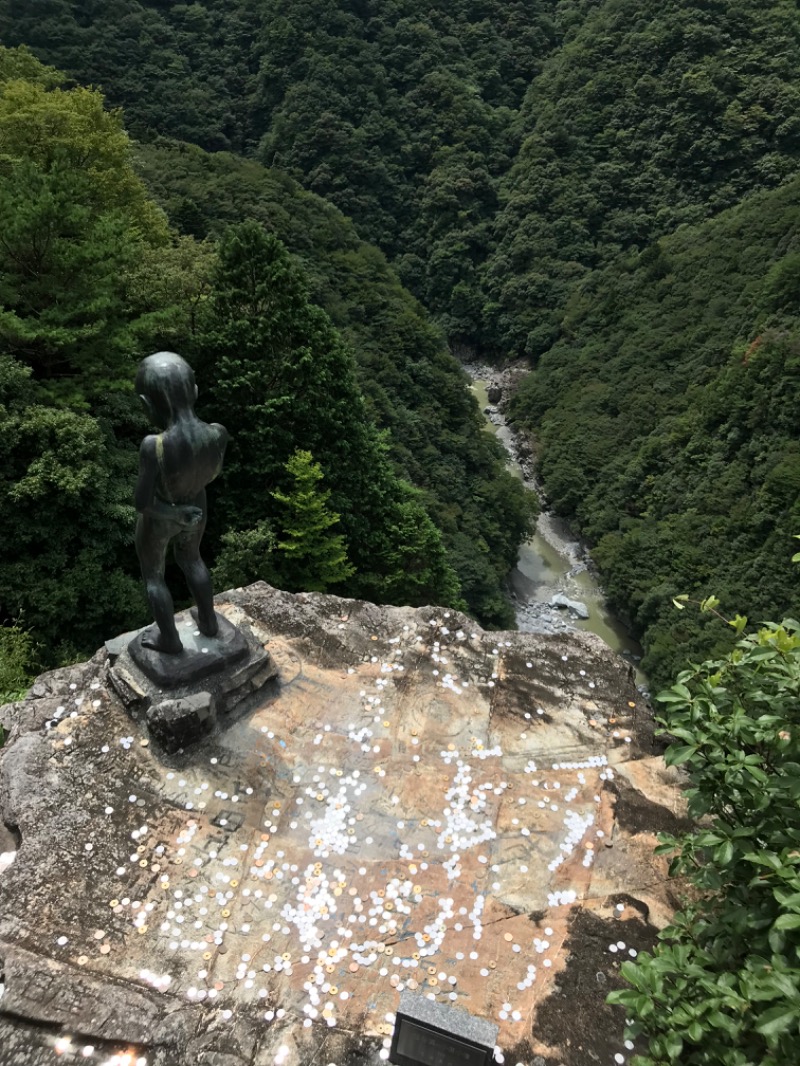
(92, 277)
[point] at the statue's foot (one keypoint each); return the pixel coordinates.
(155, 639)
(207, 624)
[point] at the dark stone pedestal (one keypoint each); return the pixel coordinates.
(201, 656)
(182, 698)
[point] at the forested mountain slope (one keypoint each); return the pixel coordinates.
(667, 421)
(526, 168)
(651, 114)
(495, 151)
(413, 387)
(92, 277)
(399, 112)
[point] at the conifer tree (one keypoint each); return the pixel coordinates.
(282, 379)
(311, 556)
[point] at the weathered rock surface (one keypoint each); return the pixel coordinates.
(417, 804)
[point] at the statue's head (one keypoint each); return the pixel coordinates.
(165, 384)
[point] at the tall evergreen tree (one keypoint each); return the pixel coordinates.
(282, 377)
(309, 553)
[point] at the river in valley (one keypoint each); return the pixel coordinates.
(552, 563)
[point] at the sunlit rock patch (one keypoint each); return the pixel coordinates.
(419, 805)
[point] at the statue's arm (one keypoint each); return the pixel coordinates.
(145, 499)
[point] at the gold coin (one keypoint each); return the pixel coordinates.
(206, 955)
(82, 960)
(333, 990)
(234, 884)
(140, 849)
(431, 970)
(178, 861)
(433, 981)
(426, 937)
(286, 956)
(226, 913)
(415, 956)
(142, 928)
(492, 965)
(143, 862)
(329, 968)
(417, 889)
(113, 903)
(389, 951)
(381, 948)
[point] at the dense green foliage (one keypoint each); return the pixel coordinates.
(400, 113)
(667, 422)
(653, 113)
(74, 218)
(92, 277)
(281, 376)
(189, 70)
(314, 556)
(723, 986)
(17, 662)
(545, 178)
(413, 388)
(496, 151)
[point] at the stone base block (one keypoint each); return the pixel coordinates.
(201, 655)
(178, 723)
(182, 698)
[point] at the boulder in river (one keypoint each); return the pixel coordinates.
(580, 609)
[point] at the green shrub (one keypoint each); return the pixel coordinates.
(723, 986)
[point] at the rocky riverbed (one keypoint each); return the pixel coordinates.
(554, 587)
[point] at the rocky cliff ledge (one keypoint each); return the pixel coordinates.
(414, 803)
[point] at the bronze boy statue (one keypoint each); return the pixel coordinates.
(174, 468)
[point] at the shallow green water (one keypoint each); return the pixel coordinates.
(542, 571)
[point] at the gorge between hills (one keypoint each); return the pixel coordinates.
(326, 207)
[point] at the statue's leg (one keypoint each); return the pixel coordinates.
(187, 556)
(152, 538)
